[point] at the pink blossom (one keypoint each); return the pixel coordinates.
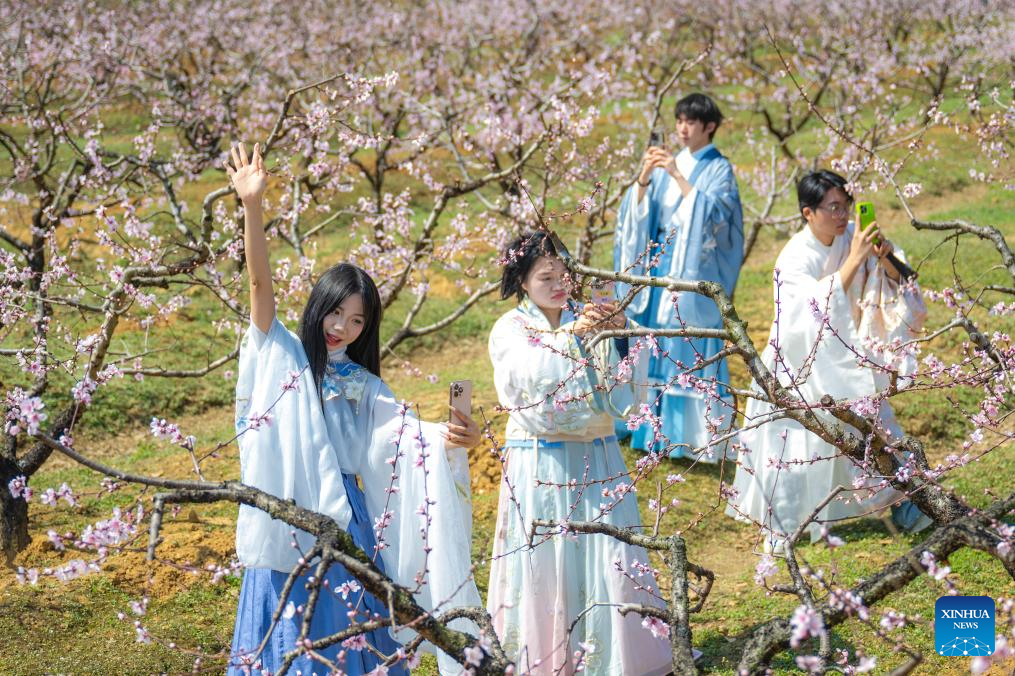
(911, 190)
(659, 629)
(256, 421)
(1004, 650)
(865, 665)
(142, 635)
(19, 488)
(82, 391)
(27, 412)
(30, 576)
(805, 623)
(357, 642)
(291, 382)
(348, 587)
(810, 663)
(933, 569)
(892, 620)
(55, 538)
(474, 655)
(139, 607)
(765, 568)
(67, 494)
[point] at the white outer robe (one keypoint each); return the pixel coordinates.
(302, 454)
(873, 306)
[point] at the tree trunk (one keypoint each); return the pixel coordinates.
(13, 514)
(680, 637)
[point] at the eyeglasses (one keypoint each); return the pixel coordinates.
(835, 208)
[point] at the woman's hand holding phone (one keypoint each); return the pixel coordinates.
(464, 432)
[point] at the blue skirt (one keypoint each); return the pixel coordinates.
(259, 597)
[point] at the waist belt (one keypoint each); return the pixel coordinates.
(541, 443)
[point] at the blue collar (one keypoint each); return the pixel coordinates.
(343, 369)
(708, 152)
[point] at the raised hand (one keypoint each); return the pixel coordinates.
(249, 179)
(655, 157)
(605, 315)
(862, 244)
(598, 317)
(883, 248)
(861, 247)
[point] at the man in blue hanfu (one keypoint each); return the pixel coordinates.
(683, 219)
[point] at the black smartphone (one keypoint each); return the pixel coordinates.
(655, 139)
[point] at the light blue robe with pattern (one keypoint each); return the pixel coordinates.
(697, 237)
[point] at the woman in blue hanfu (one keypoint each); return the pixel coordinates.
(313, 415)
(560, 598)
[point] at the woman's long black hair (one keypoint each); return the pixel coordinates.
(335, 285)
(519, 257)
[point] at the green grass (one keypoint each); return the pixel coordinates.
(83, 616)
(75, 628)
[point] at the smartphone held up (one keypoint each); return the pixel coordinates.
(460, 399)
(603, 293)
(864, 218)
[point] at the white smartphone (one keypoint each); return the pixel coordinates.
(460, 398)
(603, 294)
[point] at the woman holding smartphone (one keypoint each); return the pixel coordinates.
(316, 425)
(555, 596)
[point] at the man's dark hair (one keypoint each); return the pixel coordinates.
(334, 286)
(813, 187)
(701, 108)
(519, 257)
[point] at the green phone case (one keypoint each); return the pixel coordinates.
(864, 214)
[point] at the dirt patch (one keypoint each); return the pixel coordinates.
(190, 544)
(187, 550)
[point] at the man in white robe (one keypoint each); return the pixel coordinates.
(837, 294)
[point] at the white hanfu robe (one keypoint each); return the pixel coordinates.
(563, 463)
(775, 484)
(302, 449)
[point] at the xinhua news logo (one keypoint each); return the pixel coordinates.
(964, 626)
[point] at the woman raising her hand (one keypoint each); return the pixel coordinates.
(315, 422)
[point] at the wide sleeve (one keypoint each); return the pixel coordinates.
(894, 313)
(712, 248)
(718, 204)
(633, 234)
(422, 514)
(540, 376)
(284, 447)
(816, 335)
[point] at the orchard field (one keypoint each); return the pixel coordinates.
(415, 140)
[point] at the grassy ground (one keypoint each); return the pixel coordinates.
(75, 627)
